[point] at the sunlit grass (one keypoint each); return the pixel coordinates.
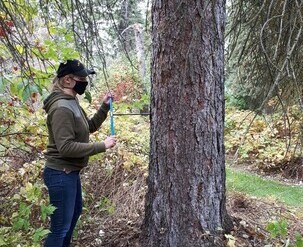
(253, 185)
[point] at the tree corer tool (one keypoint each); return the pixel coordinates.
(112, 114)
(112, 126)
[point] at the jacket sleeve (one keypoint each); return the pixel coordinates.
(96, 121)
(63, 125)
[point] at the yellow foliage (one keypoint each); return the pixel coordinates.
(262, 139)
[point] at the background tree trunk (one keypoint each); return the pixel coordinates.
(139, 38)
(124, 23)
(185, 202)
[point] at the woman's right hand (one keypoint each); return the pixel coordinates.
(110, 142)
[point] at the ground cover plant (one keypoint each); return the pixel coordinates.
(269, 143)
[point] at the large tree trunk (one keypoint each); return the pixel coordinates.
(185, 202)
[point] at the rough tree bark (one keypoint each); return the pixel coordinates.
(185, 202)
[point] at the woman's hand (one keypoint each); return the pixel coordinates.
(107, 96)
(110, 142)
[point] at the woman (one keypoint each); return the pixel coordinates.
(69, 148)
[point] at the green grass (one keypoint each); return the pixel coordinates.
(253, 185)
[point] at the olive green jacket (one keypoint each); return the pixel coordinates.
(68, 129)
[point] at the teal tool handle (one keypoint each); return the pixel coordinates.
(112, 126)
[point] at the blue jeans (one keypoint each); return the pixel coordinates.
(66, 195)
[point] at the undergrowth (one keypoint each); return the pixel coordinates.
(112, 178)
(114, 182)
(268, 142)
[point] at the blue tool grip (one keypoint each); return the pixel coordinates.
(112, 127)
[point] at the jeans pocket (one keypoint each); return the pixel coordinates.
(53, 177)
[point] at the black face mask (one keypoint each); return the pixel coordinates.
(80, 87)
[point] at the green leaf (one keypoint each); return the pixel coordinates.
(283, 228)
(277, 228)
(26, 90)
(26, 93)
(24, 210)
(13, 89)
(46, 211)
(39, 234)
(88, 96)
(3, 84)
(299, 240)
(2, 242)
(21, 219)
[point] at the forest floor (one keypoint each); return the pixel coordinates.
(120, 227)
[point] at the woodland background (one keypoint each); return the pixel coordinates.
(263, 121)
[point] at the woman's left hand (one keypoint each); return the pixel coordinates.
(107, 96)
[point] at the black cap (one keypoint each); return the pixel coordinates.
(74, 67)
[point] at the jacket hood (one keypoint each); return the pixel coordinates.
(53, 97)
